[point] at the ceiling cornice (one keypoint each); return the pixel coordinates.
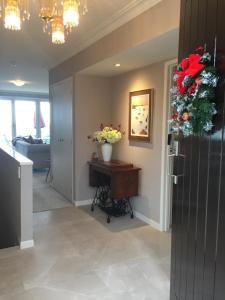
(22, 95)
(121, 17)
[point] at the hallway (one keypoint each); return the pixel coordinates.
(77, 255)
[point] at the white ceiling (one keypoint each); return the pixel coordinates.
(34, 54)
(161, 48)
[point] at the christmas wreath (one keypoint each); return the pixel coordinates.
(194, 93)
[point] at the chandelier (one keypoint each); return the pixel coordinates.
(59, 17)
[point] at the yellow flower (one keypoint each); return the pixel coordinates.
(108, 135)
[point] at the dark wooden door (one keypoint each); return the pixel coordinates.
(198, 229)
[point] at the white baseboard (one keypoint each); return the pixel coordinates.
(26, 244)
(83, 203)
(147, 220)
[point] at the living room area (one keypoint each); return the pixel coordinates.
(25, 125)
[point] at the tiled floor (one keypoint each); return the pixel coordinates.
(44, 196)
(77, 255)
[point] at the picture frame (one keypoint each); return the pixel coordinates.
(141, 115)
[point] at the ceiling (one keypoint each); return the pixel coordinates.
(29, 54)
(143, 55)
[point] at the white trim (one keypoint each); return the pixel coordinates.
(164, 188)
(83, 203)
(26, 244)
(23, 95)
(147, 220)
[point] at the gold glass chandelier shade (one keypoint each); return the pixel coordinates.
(14, 12)
(46, 10)
(58, 34)
(83, 8)
(46, 14)
(12, 19)
(70, 13)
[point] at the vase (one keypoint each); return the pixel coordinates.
(106, 151)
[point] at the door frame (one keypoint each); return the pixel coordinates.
(165, 206)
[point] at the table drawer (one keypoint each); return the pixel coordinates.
(124, 184)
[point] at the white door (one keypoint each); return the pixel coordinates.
(62, 137)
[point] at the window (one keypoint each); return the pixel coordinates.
(5, 121)
(25, 112)
(45, 121)
(24, 118)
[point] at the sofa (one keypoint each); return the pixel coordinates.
(38, 153)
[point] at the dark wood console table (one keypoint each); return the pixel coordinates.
(115, 183)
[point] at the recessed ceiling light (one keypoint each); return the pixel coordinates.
(117, 65)
(18, 82)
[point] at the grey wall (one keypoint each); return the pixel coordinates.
(26, 203)
(16, 201)
(10, 196)
(92, 106)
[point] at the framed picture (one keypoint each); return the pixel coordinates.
(140, 115)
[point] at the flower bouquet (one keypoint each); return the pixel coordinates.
(106, 136)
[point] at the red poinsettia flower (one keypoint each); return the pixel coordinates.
(181, 88)
(175, 116)
(185, 64)
(195, 65)
(191, 66)
(194, 57)
(194, 86)
(192, 89)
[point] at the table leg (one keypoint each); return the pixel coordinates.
(49, 169)
(130, 208)
(94, 202)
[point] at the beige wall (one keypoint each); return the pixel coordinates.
(92, 107)
(104, 100)
(144, 155)
(153, 23)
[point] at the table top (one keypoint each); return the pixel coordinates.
(113, 165)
